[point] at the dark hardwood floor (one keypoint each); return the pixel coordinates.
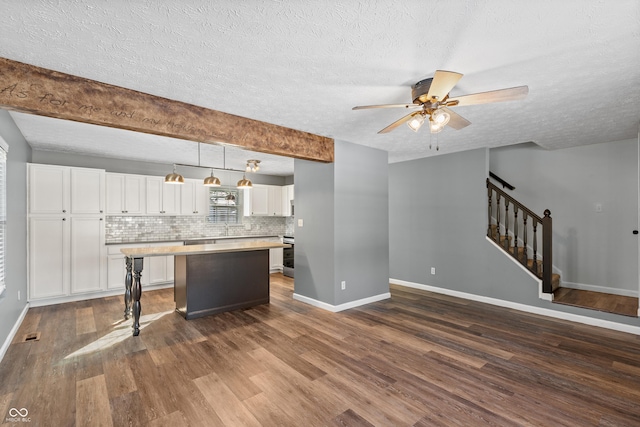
(418, 359)
(618, 304)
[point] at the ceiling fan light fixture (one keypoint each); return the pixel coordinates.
(174, 177)
(416, 122)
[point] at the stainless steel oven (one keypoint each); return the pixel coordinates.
(287, 256)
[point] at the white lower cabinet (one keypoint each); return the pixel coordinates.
(48, 257)
(66, 256)
(88, 271)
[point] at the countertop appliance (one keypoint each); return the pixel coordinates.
(287, 256)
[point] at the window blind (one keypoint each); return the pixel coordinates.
(3, 213)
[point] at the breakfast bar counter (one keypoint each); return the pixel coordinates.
(209, 278)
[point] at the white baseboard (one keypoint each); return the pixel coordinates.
(13, 332)
(82, 297)
(622, 327)
(602, 289)
(341, 307)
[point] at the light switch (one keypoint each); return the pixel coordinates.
(300, 222)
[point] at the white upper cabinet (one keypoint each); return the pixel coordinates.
(125, 194)
(265, 200)
(87, 191)
(194, 199)
(287, 200)
(274, 200)
(48, 189)
(162, 198)
(259, 200)
(62, 190)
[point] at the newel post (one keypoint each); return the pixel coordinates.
(547, 255)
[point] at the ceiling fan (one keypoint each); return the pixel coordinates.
(431, 99)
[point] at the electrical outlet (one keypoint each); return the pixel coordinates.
(433, 270)
(300, 222)
(18, 295)
(598, 207)
(343, 285)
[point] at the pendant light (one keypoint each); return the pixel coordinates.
(212, 181)
(244, 182)
(174, 177)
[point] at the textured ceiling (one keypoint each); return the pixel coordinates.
(305, 64)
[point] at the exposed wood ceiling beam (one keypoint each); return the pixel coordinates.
(30, 89)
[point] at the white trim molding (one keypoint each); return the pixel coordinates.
(13, 332)
(601, 289)
(83, 297)
(622, 327)
(341, 307)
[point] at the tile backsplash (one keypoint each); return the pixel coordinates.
(122, 229)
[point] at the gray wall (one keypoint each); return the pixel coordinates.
(147, 168)
(437, 216)
(590, 248)
(345, 236)
(16, 244)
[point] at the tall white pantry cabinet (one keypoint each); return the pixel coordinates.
(66, 231)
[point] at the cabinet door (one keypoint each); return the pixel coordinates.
(134, 194)
(202, 199)
(48, 256)
(115, 188)
(116, 272)
(156, 267)
(187, 198)
(275, 200)
(154, 195)
(287, 200)
(170, 268)
(48, 189)
(171, 198)
(260, 200)
(87, 191)
(275, 259)
(87, 254)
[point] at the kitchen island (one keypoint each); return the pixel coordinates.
(209, 278)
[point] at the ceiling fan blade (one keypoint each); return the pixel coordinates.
(397, 123)
(456, 121)
(366, 107)
(501, 95)
(442, 83)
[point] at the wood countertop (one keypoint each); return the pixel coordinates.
(201, 249)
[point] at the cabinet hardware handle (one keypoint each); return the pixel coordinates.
(100, 219)
(100, 211)
(64, 211)
(64, 219)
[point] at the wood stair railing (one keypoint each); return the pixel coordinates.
(519, 232)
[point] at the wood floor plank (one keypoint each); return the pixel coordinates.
(226, 405)
(85, 322)
(92, 403)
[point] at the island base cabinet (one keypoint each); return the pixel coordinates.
(214, 283)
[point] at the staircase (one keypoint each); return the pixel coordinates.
(520, 254)
(520, 232)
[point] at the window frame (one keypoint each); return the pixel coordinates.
(4, 151)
